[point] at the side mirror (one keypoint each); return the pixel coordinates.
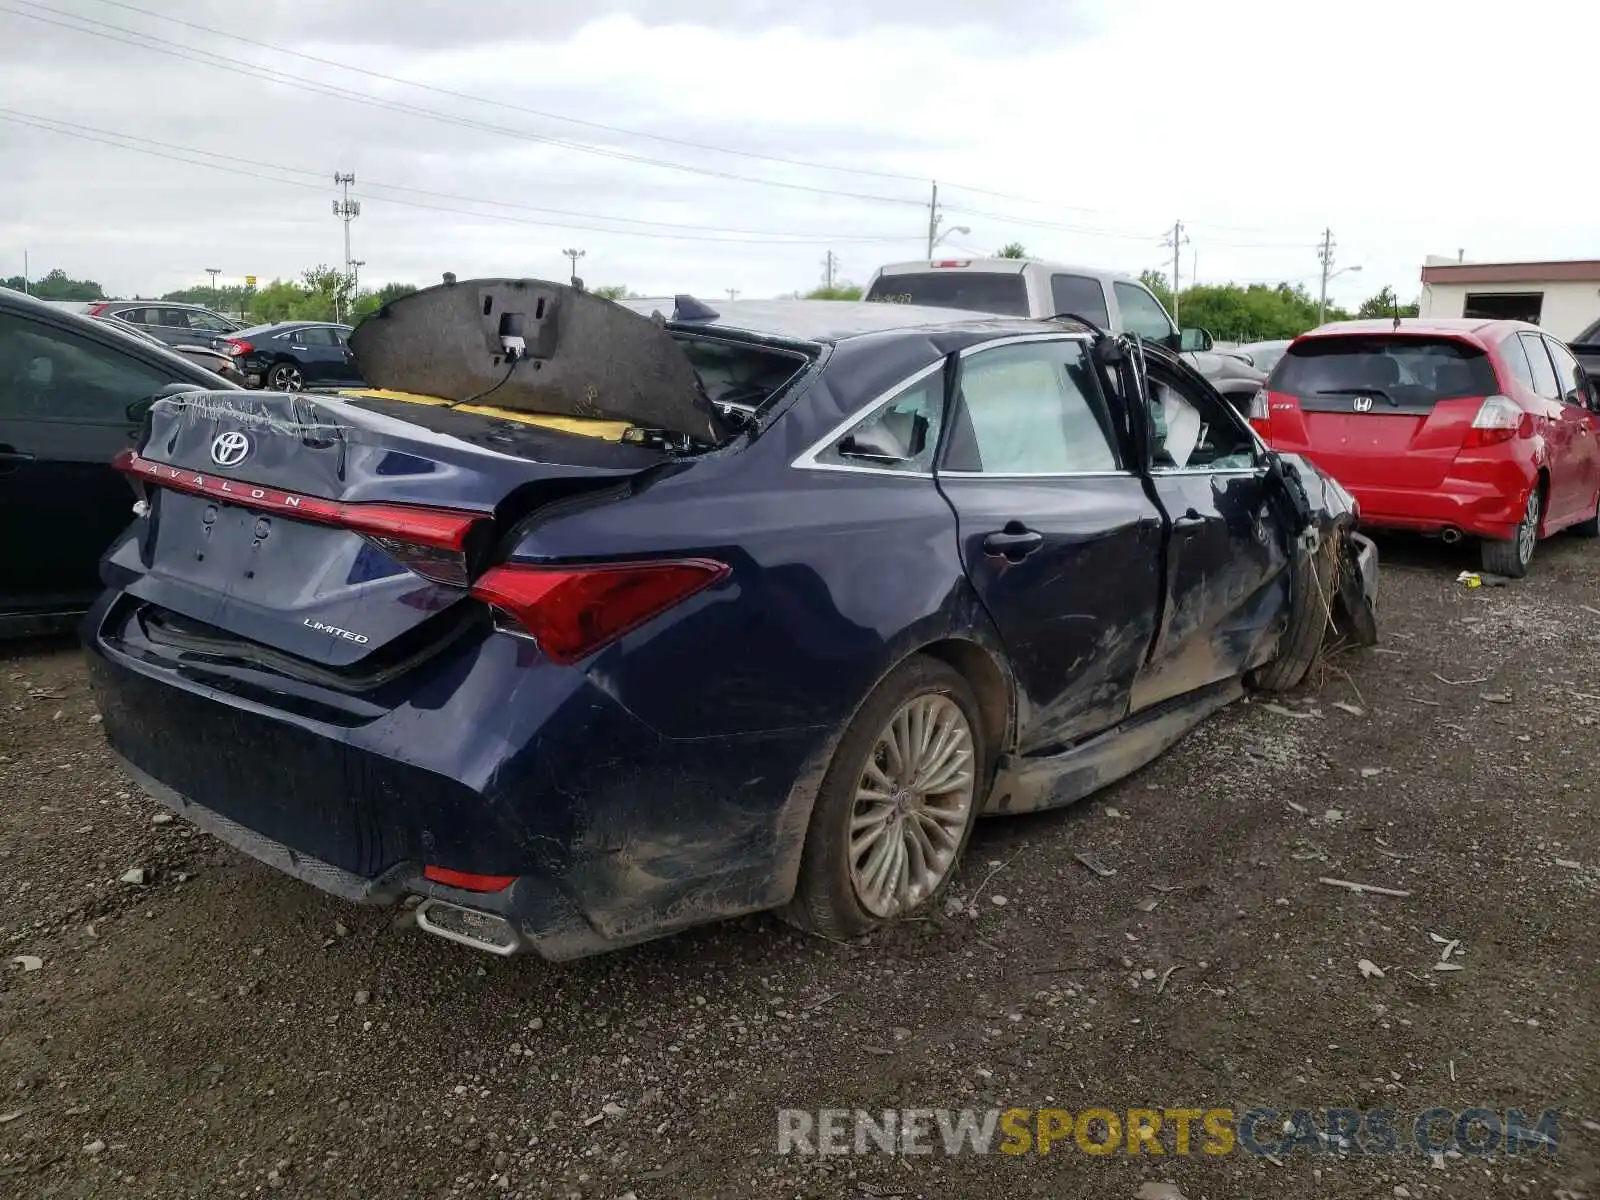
(137, 410)
(1191, 341)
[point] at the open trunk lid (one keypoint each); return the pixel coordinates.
(1391, 409)
(535, 346)
(331, 530)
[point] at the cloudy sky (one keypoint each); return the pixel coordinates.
(730, 144)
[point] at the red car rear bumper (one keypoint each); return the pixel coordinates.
(1476, 509)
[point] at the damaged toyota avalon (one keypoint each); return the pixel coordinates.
(587, 623)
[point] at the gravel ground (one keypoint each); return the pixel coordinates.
(218, 1030)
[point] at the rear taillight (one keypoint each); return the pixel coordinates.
(235, 347)
(1258, 405)
(467, 881)
(953, 262)
(97, 310)
(572, 611)
(433, 542)
(1499, 420)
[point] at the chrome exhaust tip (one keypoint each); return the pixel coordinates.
(469, 926)
(1451, 535)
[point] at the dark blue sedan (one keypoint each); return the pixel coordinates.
(594, 624)
(291, 356)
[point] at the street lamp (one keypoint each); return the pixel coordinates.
(961, 229)
(213, 272)
(1322, 301)
(574, 255)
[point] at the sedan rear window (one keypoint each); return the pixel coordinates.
(1407, 370)
(952, 287)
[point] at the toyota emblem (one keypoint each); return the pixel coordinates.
(230, 449)
(1360, 404)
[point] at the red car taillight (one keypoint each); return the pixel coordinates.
(572, 611)
(1499, 420)
(237, 348)
(1259, 414)
(433, 542)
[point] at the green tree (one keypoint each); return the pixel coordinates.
(1385, 304)
(1012, 250)
(368, 303)
(232, 298)
(839, 291)
(1159, 287)
(614, 291)
(57, 285)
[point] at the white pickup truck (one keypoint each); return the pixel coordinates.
(1020, 287)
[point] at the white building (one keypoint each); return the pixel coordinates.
(1563, 297)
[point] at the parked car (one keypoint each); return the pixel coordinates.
(1449, 427)
(173, 323)
(293, 355)
(705, 615)
(212, 360)
(1029, 288)
(72, 393)
(1263, 356)
(1586, 349)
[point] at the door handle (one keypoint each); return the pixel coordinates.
(1190, 520)
(1015, 542)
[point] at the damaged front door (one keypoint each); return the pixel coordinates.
(1058, 536)
(1225, 579)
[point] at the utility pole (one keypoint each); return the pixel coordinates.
(355, 277)
(830, 264)
(733, 293)
(1175, 241)
(933, 218)
(25, 280)
(213, 272)
(346, 210)
(1325, 253)
(574, 255)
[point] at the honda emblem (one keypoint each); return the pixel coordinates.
(1362, 403)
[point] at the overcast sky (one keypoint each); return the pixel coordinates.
(1409, 127)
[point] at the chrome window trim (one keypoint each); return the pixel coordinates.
(1120, 474)
(807, 459)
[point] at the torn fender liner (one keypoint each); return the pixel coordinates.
(536, 347)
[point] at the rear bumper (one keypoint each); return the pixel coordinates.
(497, 765)
(1476, 509)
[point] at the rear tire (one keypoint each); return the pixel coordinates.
(1311, 593)
(1591, 527)
(286, 377)
(1511, 558)
(881, 845)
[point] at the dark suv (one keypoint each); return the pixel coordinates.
(174, 324)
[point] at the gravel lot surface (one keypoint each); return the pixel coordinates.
(218, 1030)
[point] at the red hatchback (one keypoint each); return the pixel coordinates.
(1456, 428)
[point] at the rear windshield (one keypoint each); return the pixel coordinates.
(1406, 369)
(981, 291)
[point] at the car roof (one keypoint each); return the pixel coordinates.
(826, 322)
(1003, 266)
(18, 302)
(1470, 328)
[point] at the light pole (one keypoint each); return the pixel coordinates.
(963, 230)
(213, 272)
(574, 255)
(355, 277)
(1327, 277)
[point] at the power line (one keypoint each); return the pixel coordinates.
(205, 57)
(233, 65)
(600, 125)
(791, 240)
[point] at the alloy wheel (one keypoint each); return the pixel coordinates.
(1528, 531)
(912, 806)
(285, 378)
